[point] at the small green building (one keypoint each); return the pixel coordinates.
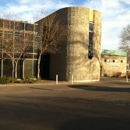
(112, 62)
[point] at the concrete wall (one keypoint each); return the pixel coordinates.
(110, 67)
(77, 43)
(58, 61)
(95, 62)
(73, 58)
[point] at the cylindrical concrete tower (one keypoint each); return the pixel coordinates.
(80, 53)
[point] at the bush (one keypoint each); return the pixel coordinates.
(29, 79)
(118, 74)
(6, 80)
(11, 80)
(128, 74)
(19, 81)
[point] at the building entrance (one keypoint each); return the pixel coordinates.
(45, 66)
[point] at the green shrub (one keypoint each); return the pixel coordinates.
(128, 73)
(19, 81)
(3, 80)
(6, 80)
(11, 80)
(118, 74)
(29, 79)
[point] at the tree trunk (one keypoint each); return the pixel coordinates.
(16, 65)
(38, 71)
(12, 68)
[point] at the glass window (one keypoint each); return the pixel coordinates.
(29, 27)
(91, 26)
(7, 67)
(18, 25)
(35, 68)
(19, 69)
(91, 38)
(35, 56)
(1, 22)
(28, 68)
(29, 55)
(90, 46)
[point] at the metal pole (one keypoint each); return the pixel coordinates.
(56, 79)
(127, 73)
(72, 80)
(127, 76)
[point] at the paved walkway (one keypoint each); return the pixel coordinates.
(53, 82)
(102, 79)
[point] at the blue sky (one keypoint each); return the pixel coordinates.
(115, 14)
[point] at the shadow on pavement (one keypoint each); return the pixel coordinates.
(115, 80)
(57, 113)
(99, 88)
(97, 124)
(40, 88)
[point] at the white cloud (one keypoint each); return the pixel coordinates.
(27, 8)
(24, 1)
(126, 1)
(115, 14)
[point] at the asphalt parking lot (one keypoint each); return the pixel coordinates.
(102, 105)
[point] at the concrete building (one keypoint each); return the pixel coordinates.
(80, 53)
(113, 62)
(80, 56)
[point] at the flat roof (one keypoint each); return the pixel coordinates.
(114, 53)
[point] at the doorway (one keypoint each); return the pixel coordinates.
(45, 66)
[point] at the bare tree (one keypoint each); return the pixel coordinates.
(125, 40)
(53, 32)
(39, 15)
(16, 41)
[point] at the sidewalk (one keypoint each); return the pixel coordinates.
(53, 82)
(40, 82)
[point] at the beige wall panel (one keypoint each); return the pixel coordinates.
(110, 68)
